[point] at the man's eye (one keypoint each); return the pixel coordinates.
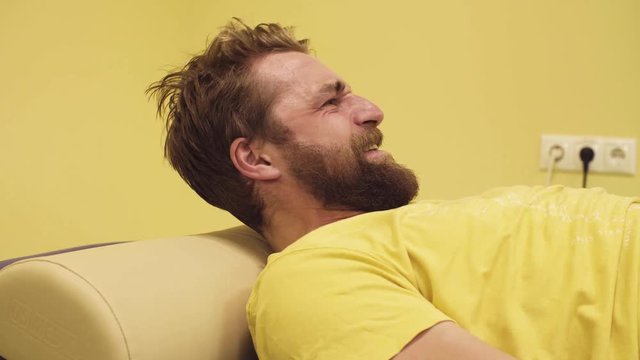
(330, 102)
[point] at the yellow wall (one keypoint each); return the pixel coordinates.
(467, 88)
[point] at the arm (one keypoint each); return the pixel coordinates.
(448, 341)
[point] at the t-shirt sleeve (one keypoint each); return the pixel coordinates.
(335, 304)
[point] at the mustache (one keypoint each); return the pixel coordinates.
(362, 142)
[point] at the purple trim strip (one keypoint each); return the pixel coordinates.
(4, 263)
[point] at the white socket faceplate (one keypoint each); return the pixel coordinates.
(612, 155)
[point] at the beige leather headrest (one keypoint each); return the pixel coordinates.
(174, 298)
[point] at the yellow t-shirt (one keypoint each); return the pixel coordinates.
(541, 273)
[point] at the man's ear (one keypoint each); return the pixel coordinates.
(250, 162)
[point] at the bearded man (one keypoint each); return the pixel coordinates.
(262, 129)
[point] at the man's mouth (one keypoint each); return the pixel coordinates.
(374, 154)
(368, 142)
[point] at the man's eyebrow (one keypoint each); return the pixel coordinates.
(336, 86)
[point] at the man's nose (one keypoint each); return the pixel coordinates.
(365, 113)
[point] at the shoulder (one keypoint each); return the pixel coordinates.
(323, 293)
(370, 237)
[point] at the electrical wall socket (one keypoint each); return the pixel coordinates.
(612, 155)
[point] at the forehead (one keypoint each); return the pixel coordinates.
(294, 74)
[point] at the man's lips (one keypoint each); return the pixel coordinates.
(368, 142)
(375, 154)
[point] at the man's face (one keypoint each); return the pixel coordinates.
(333, 139)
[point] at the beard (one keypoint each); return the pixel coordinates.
(342, 177)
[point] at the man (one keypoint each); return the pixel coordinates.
(258, 127)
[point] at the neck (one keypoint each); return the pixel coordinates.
(286, 224)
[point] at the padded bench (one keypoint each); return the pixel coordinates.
(171, 298)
